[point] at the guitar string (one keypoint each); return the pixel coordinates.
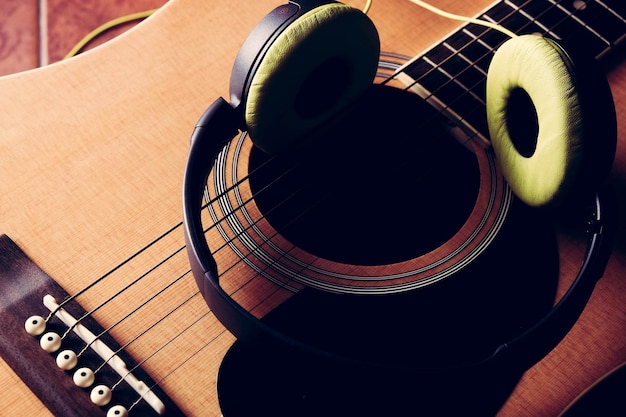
(176, 227)
(112, 271)
(121, 291)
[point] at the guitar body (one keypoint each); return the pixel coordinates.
(92, 154)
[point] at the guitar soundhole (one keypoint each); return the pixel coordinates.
(384, 184)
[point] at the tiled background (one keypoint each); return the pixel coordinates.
(24, 43)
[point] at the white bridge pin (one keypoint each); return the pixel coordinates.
(101, 395)
(117, 411)
(84, 377)
(50, 342)
(67, 360)
(35, 325)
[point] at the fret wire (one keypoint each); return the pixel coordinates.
(464, 58)
(434, 93)
(459, 52)
(531, 18)
(454, 79)
(612, 10)
(417, 58)
(576, 18)
(437, 67)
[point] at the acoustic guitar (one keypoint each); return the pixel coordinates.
(93, 262)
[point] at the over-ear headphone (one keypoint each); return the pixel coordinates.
(279, 91)
(300, 66)
(551, 120)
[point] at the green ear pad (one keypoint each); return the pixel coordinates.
(316, 66)
(535, 118)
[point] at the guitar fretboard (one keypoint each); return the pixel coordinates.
(452, 74)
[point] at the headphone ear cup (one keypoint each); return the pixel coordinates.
(315, 67)
(551, 120)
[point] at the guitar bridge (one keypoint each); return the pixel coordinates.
(102, 380)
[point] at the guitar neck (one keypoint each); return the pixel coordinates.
(452, 74)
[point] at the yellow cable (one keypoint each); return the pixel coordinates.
(367, 7)
(464, 18)
(106, 26)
